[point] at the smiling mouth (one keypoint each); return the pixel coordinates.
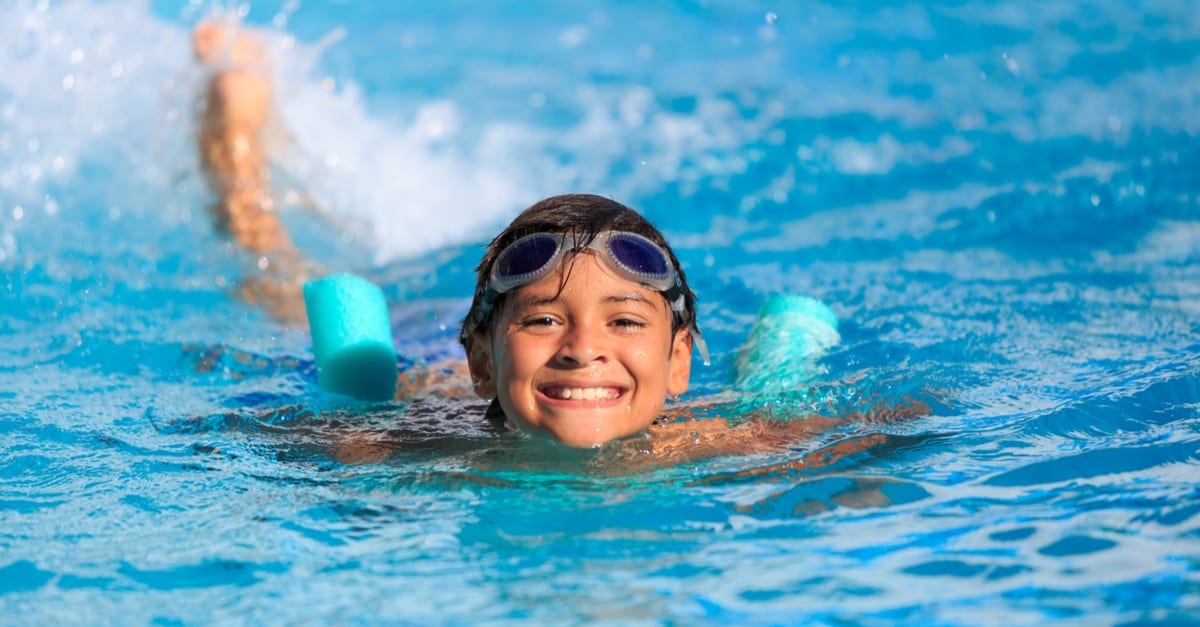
(566, 393)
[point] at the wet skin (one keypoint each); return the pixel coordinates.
(586, 364)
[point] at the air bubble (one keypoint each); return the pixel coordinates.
(771, 17)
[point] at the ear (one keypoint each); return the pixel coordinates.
(479, 362)
(680, 364)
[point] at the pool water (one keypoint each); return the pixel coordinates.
(1000, 201)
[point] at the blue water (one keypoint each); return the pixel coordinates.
(1000, 201)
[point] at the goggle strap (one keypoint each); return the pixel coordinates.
(699, 345)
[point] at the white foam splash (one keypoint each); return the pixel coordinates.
(113, 84)
(78, 84)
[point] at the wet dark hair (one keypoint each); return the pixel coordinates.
(585, 215)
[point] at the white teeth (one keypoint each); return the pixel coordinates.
(587, 394)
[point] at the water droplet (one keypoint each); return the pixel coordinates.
(771, 17)
(116, 70)
(1095, 200)
(263, 263)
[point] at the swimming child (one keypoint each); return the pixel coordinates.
(582, 327)
(582, 324)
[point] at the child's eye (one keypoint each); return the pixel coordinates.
(629, 323)
(538, 321)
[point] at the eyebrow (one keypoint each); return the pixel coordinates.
(528, 302)
(628, 297)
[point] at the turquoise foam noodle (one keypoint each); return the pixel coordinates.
(352, 337)
(781, 353)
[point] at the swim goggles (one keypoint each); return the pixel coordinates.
(631, 256)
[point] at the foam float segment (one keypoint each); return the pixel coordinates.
(781, 353)
(351, 336)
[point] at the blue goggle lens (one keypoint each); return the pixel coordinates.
(639, 256)
(526, 257)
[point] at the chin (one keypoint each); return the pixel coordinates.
(581, 438)
(582, 429)
(593, 435)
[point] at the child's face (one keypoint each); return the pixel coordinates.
(586, 365)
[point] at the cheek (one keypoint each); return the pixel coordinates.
(651, 367)
(516, 360)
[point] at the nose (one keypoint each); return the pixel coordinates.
(581, 345)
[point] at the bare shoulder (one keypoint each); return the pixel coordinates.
(447, 379)
(712, 437)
